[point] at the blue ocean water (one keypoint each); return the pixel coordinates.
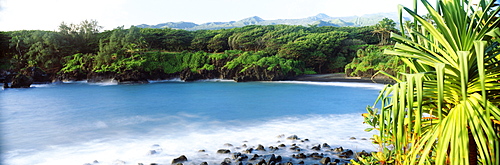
(78, 122)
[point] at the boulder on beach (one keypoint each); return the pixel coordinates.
(223, 151)
(293, 137)
(180, 159)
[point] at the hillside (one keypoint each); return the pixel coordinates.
(319, 20)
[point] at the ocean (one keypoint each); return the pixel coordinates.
(105, 123)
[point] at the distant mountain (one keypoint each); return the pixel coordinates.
(318, 20)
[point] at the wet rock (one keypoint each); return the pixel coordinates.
(346, 154)
(316, 148)
(254, 157)
(180, 159)
(316, 155)
(295, 148)
(271, 158)
(363, 154)
(282, 145)
(248, 151)
(305, 140)
(202, 151)
(289, 163)
(325, 145)
(262, 162)
(299, 156)
(325, 160)
(226, 161)
(204, 163)
(38, 75)
(100, 77)
(339, 149)
(241, 158)
(352, 138)
(131, 77)
(152, 152)
(223, 151)
(21, 81)
(293, 137)
(228, 145)
(261, 148)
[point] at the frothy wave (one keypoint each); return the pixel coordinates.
(163, 144)
(341, 84)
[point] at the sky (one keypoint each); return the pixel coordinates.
(49, 14)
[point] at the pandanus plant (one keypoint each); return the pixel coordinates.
(445, 110)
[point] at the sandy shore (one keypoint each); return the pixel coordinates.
(339, 77)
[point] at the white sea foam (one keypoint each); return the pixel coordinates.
(168, 143)
(216, 80)
(167, 80)
(341, 84)
(105, 83)
(41, 85)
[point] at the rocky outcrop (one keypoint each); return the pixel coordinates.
(21, 81)
(76, 75)
(131, 77)
(99, 77)
(38, 75)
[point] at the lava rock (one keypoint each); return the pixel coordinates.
(223, 151)
(21, 81)
(180, 159)
(38, 75)
(325, 160)
(293, 137)
(261, 148)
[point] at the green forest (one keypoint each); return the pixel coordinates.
(250, 53)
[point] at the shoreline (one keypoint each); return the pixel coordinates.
(340, 77)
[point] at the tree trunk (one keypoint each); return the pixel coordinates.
(472, 150)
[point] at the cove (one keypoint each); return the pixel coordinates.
(77, 123)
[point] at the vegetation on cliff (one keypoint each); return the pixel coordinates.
(77, 50)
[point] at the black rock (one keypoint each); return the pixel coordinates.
(346, 154)
(316, 155)
(180, 159)
(38, 75)
(325, 145)
(300, 156)
(339, 149)
(271, 158)
(254, 157)
(204, 163)
(226, 161)
(293, 137)
(249, 150)
(325, 160)
(223, 151)
(21, 81)
(316, 148)
(363, 154)
(261, 148)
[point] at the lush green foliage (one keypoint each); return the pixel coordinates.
(372, 58)
(81, 48)
(445, 110)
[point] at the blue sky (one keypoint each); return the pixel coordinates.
(48, 14)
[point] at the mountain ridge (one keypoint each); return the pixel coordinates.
(320, 19)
